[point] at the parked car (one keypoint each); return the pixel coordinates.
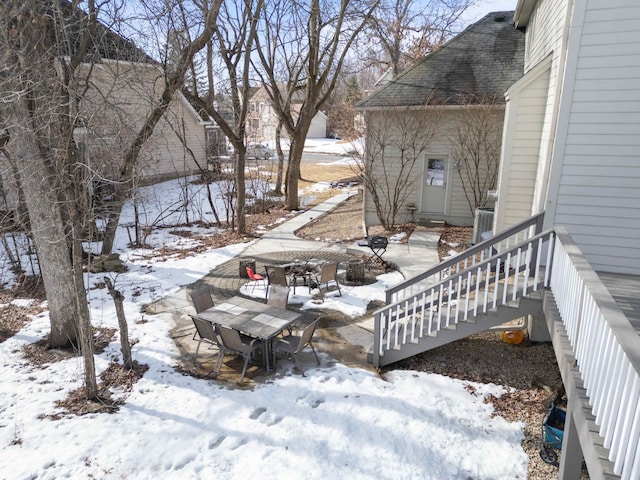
(259, 150)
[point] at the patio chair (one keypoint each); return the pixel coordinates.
(256, 278)
(276, 275)
(207, 334)
(233, 342)
(278, 296)
(292, 345)
(201, 298)
(328, 274)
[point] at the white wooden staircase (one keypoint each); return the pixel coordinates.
(503, 278)
(487, 285)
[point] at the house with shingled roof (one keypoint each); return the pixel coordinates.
(117, 85)
(565, 255)
(430, 104)
(262, 119)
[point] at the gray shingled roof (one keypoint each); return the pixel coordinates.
(105, 43)
(482, 61)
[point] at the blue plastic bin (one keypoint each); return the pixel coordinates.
(554, 427)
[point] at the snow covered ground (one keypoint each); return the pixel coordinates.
(336, 422)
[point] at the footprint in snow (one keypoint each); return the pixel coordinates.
(257, 412)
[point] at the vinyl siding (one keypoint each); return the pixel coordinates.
(120, 97)
(545, 37)
(598, 192)
(544, 31)
(521, 153)
(165, 154)
(318, 128)
(457, 210)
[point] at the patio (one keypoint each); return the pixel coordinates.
(339, 338)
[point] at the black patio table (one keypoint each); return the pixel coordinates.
(302, 270)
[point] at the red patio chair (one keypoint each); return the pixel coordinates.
(256, 278)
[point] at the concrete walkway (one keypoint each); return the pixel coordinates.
(343, 339)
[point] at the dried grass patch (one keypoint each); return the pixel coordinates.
(115, 377)
(39, 354)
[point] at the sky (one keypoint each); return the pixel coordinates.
(337, 422)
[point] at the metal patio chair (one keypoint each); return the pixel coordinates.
(278, 296)
(292, 345)
(201, 298)
(207, 334)
(233, 342)
(328, 274)
(276, 275)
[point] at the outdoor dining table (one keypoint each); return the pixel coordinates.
(252, 318)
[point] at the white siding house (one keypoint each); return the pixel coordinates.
(567, 246)
(573, 121)
(120, 96)
(116, 92)
(263, 119)
(583, 127)
(594, 187)
(467, 75)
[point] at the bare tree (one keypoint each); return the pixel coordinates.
(173, 83)
(340, 108)
(396, 140)
(302, 48)
(407, 30)
(47, 53)
(37, 77)
(476, 138)
(235, 34)
(125, 345)
(277, 189)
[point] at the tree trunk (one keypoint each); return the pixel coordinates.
(112, 220)
(125, 346)
(278, 187)
(85, 330)
(240, 189)
(54, 257)
(293, 172)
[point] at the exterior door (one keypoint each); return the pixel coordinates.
(434, 186)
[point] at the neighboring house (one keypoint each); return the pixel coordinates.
(567, 247)
(262, 119)
(470, 72)
(119, 85)
(120, 96)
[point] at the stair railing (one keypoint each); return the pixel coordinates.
(464, 294)
(467, 259)
(607, 352)
(605, 345)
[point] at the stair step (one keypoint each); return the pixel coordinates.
(409, 345)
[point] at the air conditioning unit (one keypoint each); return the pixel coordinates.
(483, 222)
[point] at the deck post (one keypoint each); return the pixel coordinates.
(571, 456)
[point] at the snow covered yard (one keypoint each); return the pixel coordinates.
(337, 422)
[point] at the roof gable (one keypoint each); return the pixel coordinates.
(105, 43)
(481, 62)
